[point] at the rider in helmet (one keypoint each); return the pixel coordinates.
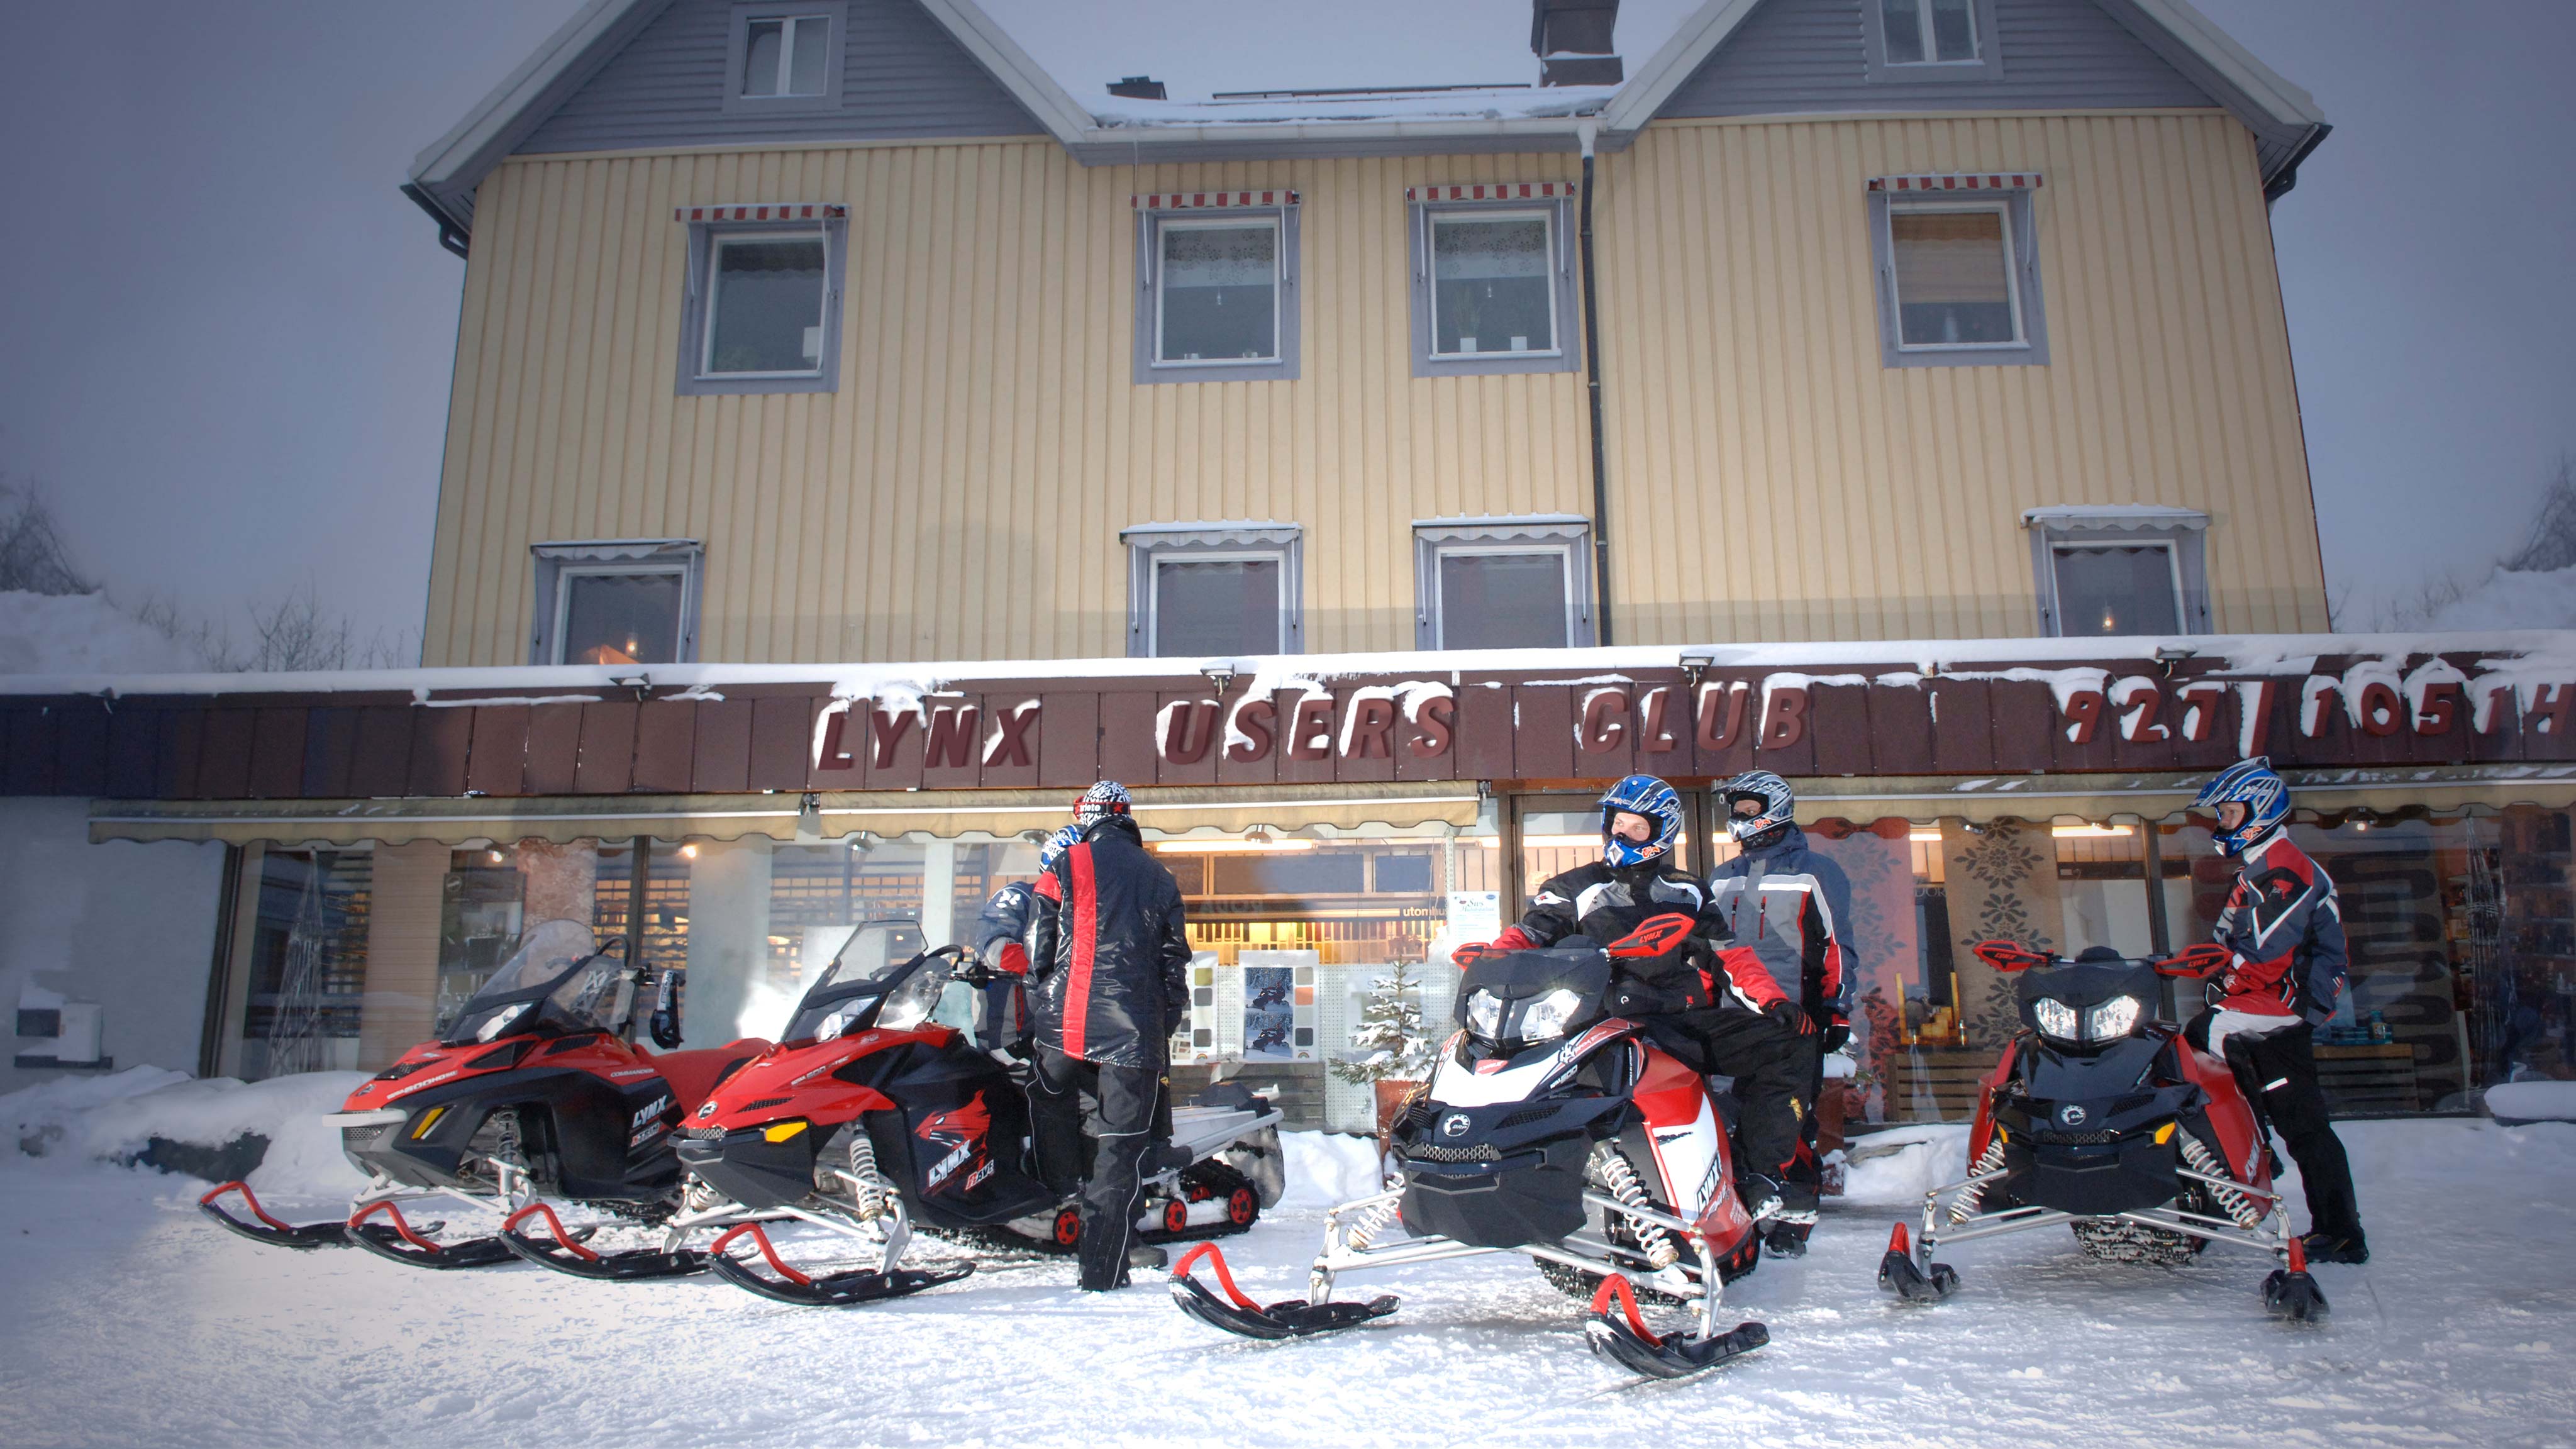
(1001, 930)
(2288, 969)
(1778, 903)
(1716, 1034)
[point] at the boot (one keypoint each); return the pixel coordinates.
(1760, 1195)
(2328, 1247)
(1146, 1255)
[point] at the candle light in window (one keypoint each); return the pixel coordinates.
(689, 851)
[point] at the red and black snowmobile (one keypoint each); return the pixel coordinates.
(2102, 1117)
(532, 1099)
(1553, 1130)
(886, 1107)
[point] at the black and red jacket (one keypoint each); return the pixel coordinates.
(2286, 929)
(1108, 957)
(1603, 903)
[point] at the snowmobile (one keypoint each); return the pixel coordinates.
(533, 1097)
(886, 1107)
(1553, 1130)
(2104, 1118)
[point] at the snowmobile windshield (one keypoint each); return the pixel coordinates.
(557, 978)
(870, 981)
(1524, 997)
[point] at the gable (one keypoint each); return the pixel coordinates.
(1794, 56)
(906, 76)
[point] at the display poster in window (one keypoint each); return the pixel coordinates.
(1472, 916)
(1194, 1036)
(1279, 1005)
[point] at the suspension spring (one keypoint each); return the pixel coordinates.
(1371, 1221)
(1621, 1179)
(1964, 1206)
(868, 1185)
(2197, 1156)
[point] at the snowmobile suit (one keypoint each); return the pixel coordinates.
(1676, 996)
(1781, 902)
(1000, 941)
(2285, 928)
(1111, 960)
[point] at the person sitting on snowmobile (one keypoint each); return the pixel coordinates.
(1000, 942)
(2288, 968)
(1109, 971)
(1779, 901)
(1742, 1033)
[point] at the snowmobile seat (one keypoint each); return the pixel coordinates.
(695, 1074)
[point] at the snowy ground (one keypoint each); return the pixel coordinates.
(129, 1320)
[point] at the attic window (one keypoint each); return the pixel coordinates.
(1930, 40)
(785, 58)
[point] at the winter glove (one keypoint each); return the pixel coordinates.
(1791, 1019)
(1837, 1035)
(1014, 958)
(1472, 952)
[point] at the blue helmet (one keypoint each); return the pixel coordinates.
(2265, 797)
(1055, 845)
(1640, 795)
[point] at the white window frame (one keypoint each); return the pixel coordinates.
(1568, 535)
(1151, 545)
(2029, 346)
(2180, 532)
(1563, 314)
(707, 241)
(835, 15)
(1452, 216)
(1285, 339)
(558, 563)
(1881, 67)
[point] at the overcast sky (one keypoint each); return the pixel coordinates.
(228, 339)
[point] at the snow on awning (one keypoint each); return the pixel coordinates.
(1492, 191)
(764, 211)
(2114, 515)
(1210, 200)
(2100, 797)
(1958, 181)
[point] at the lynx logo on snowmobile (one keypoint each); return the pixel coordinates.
(707, 1109)
(656, 1108)
(962, 1132)
(2071, 1115)
(1456, 1126)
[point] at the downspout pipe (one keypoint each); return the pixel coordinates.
(1584, 132)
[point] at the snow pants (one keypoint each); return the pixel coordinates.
(1770, 1067)
(2277, 1072)
(1122, 1122)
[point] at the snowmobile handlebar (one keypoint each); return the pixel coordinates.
(2191, 962)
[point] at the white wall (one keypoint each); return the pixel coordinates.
(129, 926)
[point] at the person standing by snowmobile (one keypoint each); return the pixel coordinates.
(1000, 941)
(1109, 966)
(2287, 968)
(1741, 1033)
(1778, 901)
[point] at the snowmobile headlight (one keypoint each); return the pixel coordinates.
(1485, 1015)
(501, 1021)
(1545, 1018)
(839, 1021)
(2055, 1018)
(2114, 1018)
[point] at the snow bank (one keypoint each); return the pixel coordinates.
(2517, 1103)
(1899, 1165)
(2510, 600)
(117, 1117)
(83, 634)
(1325, 1168)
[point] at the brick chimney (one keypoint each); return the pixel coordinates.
(1572, 39)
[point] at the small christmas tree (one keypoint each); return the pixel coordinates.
(1391, 1042)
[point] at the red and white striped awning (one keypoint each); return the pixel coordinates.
(764, 211)
(1491, 191)
(1193, 200)
(1959, 181)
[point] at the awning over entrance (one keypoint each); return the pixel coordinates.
(946, 814)
(2162, 796)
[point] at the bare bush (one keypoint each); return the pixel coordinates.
(2553, 531)
(33, 557)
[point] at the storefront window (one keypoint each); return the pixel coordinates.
(308, 963)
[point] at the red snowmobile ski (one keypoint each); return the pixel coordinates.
(883, 1110)
(1553, 1130)
(532, 1098)
(2103, 1118)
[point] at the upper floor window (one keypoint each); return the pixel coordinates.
(1493, 278)
(617, 602)
(1930, 40)
(785, 57)
(1213, 590)
(1216, 278)
(763, 307)
(1503, 583)
(2119, 570)
(1958, 278)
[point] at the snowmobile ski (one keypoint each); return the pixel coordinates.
(2291, 1293)
(834, 1290)
(270, 1230)
(1237, 1314)
(402, 1244)
(569, 1252)
(1624, 1338)
(1911, 1282)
